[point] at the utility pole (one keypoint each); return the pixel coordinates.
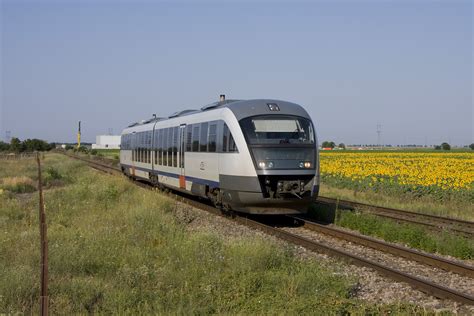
(379, 134)
(79, 135)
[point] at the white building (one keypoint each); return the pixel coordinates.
(107, 142)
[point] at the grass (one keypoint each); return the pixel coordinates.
(117, 248)
(414, 236)
(20, 184)
(452, 208)
(109, 153)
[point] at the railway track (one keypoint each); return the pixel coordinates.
(433, 222)
(424, 285)
(400, 251)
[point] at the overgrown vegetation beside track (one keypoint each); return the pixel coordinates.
(115, 247)
(412, 235)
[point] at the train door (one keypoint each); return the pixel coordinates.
(182, 149)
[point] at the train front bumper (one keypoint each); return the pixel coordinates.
(254, 203)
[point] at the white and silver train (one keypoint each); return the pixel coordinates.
(251, 156)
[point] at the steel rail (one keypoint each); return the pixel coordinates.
(400, 251)
(432, 221)
(423, 285)
(96, 165)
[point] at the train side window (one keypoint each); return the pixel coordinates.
(196, 137)
(232, 145)
(212, 146)
(165, 146)
(175, 146)
(203, 138)
(160, 147)
(170, 146)
(225, 138)
(189, 135)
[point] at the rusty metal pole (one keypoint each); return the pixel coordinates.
(44, 245)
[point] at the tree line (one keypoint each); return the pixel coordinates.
(443, 146)
(18, 146)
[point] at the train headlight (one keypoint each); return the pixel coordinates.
(307, 164)
(270, 164)
(261, 164)
(301, 165)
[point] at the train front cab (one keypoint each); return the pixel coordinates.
(285, 163)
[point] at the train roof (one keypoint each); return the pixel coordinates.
(241, 109)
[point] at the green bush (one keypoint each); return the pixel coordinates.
(53, 173)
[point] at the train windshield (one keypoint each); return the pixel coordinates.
(276, 129)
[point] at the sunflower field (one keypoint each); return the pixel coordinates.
(437, 174)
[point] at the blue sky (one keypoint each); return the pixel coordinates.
(406, 65)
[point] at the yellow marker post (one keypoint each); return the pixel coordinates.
(79, 136)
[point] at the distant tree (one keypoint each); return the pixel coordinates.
(437, 147)
(327, 144)
(342, 145)
(445, 146)
(36, 145)
(471, 146)
(4, 146)
(16, 145)
(69, 147)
